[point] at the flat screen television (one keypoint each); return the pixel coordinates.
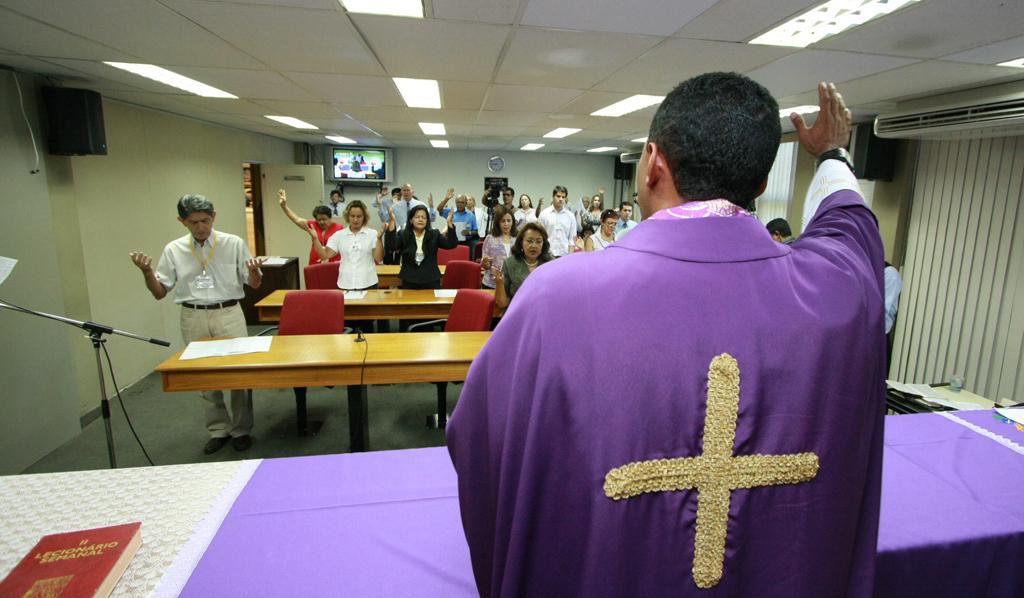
(359, 164)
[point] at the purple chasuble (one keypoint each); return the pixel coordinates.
(553, 403)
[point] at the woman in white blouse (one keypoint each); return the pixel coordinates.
(359, 246)
(604, 235)
(526, 212)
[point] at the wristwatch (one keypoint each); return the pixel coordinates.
(840, 154)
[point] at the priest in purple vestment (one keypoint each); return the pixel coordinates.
(710, 422)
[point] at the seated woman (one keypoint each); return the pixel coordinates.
(497, 247)
(360, 245)
(321, 224)
(530, 250)
(604, 235)
(418, 244)
(526, 212)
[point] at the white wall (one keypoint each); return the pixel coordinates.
(73, 225)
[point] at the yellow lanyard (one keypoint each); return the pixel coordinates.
(203, 263)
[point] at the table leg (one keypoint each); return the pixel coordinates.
(358, 419)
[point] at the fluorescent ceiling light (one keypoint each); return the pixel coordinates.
(826, 20)
(807, 109)
(432, 128)
(529, 147)
(439, 143)
(340, 139)
(561, 132)
(640, 140)
(292, 122)
(630, 104)
(601, 149)
(171, 78)
(1019, 63)
(419, 93)
(394, 8)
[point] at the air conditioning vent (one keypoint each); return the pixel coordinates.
(988, 112)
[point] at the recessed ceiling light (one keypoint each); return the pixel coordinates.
(1019, 63)
(826, 20)
(419, 93)
(439, 143)
(395, 8)
(292, 122)
(640, 140)
(340, 139)
(601, 149)
(529, 147)
(806, 109)
(171, 78)
(630, 104)
(561, 132)
(432, 128)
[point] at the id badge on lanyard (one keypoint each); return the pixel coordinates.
(204, 281)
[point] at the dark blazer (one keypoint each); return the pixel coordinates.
(427, 271)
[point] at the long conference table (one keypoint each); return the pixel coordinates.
(378, 304)
(334, 360)
(387, 523)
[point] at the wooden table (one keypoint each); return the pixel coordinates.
(387, 275)
(334, 360)
(379, 304)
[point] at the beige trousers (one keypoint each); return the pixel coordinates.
(229, 322)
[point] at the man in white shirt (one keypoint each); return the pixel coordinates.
(559, 222)
(626, 222)
(205, 271)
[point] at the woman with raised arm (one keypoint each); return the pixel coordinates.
(497, 247)
(359, 245)
(321, 224)
(605, 235)
(418, 243)
(530, 250)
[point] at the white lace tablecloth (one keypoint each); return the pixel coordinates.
(180, 507)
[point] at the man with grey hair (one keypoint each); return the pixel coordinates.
(205, 270)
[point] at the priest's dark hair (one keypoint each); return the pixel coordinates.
(719, 133)
(517, 247)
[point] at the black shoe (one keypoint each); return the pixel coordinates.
(215, 444)
(241, 443)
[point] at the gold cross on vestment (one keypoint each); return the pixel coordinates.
(715, 473)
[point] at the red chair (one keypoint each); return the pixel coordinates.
(460, 274)
(321, 276)
(461, 252)
(472, 311)
(311, 312)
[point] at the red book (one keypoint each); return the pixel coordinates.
(83, 563)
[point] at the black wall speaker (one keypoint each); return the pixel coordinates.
(874, 158)
(75, 121)
(623, 170)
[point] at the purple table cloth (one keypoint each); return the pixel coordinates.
(387, 523)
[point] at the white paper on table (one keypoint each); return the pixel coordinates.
(460, 230)
(958, 405)
(1015, 414)
(231, 346)
(445, 293)
(273, 260)
(921, 390)
(6, 266)
(353, 295)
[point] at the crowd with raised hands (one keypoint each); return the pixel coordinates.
(509, 237)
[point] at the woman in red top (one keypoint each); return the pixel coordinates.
(325, 227)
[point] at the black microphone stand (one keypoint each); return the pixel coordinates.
(96, 332)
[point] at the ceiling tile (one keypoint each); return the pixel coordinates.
(287, 39)
(1004, 51)
(488, 117)
(801, 72)
(528, 99)
(29, 37)
(39, 66)
(742, 20)
(934, 28)
(647, 17)
(470, 49)
(501, 12)
(357, 90)
(568, 58)
(107, 77)
(301, 110)
(249, 84)
(688, 57)
(463, 95)
(410, 115)
(920, 79)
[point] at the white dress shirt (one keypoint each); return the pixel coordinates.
(561, 228)
(357, 269)
(178, 264)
